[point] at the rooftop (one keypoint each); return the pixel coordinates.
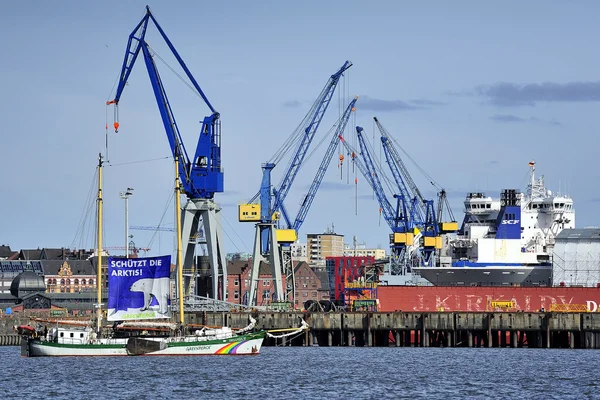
(579, 234)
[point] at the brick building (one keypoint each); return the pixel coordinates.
(310, 284)
(238, 283)
(345, 269)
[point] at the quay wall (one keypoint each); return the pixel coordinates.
(424, 329)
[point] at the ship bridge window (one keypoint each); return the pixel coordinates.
(488, 206)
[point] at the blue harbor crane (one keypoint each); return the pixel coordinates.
(402, 177)
(422, 211)
(201, 175)
(402, 237)
(267, 214)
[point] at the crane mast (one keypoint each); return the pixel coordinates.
(201, 176)
(272, 244)
(314, 187)
(403, 177)
(402, 236)
(387, 209)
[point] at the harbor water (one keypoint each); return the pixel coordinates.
(313, 372)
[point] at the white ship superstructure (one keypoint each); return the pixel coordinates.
(506, 241)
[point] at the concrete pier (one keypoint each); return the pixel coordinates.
(438, 329)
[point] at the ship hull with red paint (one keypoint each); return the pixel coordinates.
(449, 298)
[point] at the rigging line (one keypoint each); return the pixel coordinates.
(431, 180)
(526, 181)
(86, 209)
(235, 231)
(300, 129)
(113, 88)
(192, 88)
(295, 137)
(137, 162)
(229, 237)
(309, 155)
(160, 223)
(106, 133)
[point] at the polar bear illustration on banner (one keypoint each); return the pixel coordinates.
(153, 287)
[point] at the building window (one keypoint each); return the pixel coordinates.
(267, 283)
(236, 295)
(314, 294)
(236, 283)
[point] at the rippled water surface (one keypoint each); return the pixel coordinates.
(313, 372)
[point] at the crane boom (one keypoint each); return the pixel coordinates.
(400, 164)
(402, 238)
(320, 107)
(388, 211)
(314, 187)
(415, 218)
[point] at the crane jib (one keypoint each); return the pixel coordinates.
(202, 174)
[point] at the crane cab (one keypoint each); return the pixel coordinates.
(448, 227)
(249, 212)
(406, 238)
(432, 242)
(286, 236)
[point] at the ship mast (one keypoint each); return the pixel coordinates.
(99, 247)
(179, 252)
(532, 184)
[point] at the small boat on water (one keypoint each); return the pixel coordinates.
(64, 341)
(138, 295)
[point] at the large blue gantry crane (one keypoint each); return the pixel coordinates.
(266, 214)
(201, 175)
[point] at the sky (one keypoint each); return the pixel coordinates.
(471, 90)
